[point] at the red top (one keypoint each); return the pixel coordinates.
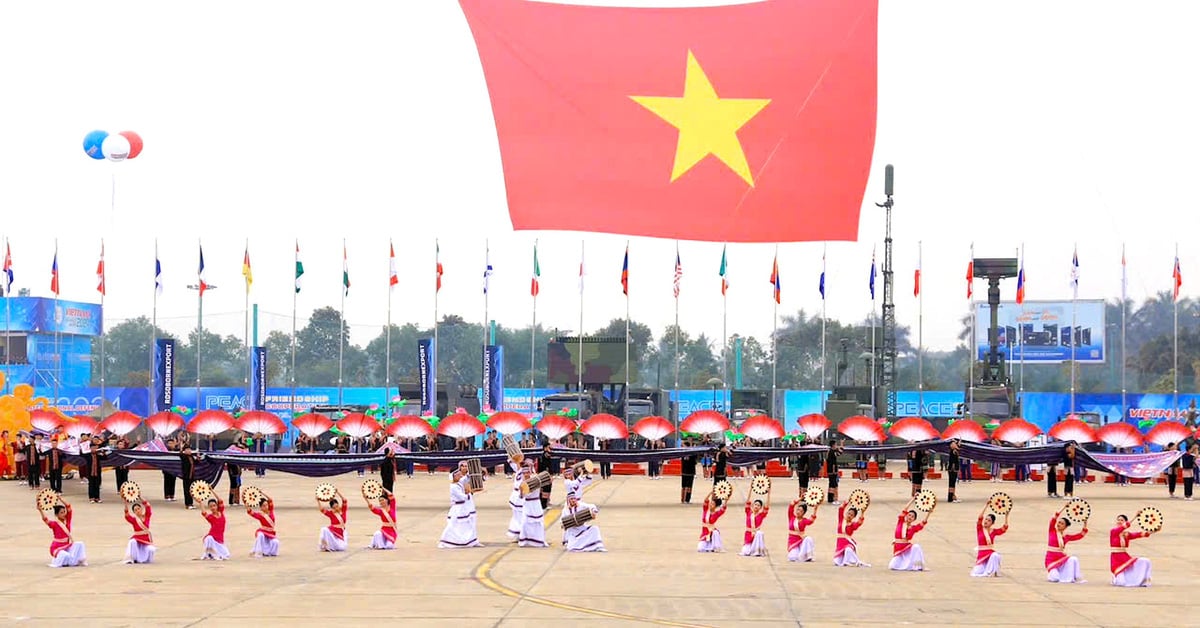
(796, 526)
(1118, 541)
(904, 534)
(1056, 545)
(62, 533)
(986, 538)
(337, 520)
(754, 522)
(388, 519)
(709, 518)
(141, 527)
(846, 530)
(216, 523)
(266, 520)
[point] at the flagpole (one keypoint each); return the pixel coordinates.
(1124, 407)
(533, 331)
(920, 338)
(972, 343)
(1175, 367)
(872, 372)
(7, 323)
(387, 336)
(487, 263)
(104, 289)
(342, 325)
(824, 249)
(153, 333)
(1021, 333)
(437, 289)
(774, 330)
(625, 411)
(295, 296)
(57, 345)
(579, 384)
(199, 321)
(724, 337)
(678, 279)
(1071, 336)
(249, 404)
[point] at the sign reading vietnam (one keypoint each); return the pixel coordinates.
(1045, 332)
(47, 316)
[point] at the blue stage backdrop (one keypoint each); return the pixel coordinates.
(47, 316)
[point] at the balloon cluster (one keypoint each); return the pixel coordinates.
(115, 147)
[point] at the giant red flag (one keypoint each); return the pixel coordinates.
(737, 123)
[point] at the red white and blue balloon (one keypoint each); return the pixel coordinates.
(101, 145)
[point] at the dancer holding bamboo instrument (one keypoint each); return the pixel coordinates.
(461, 529)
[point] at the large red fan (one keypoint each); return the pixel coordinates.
(164, 423)
(460, 425)
(554, 427)
(914, 429)
(1072, 428)
(761, 427)
(410, 427)
(260, 422)
(508, 422)
(814, 425)
(1167, 432)
(605, 427)
(357, 425)
(210, 422)
(965, 429)
(862, 429)
(653, 428)
(121, 423)
(1016, 431)
(313, 424)
(1120, 435)
(82, 425)
(45, 420)
(705, 422)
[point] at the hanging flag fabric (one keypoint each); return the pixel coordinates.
(100, 272)
(299, 268)
(581, 275)
(1075, 273)
(971, 277)
(202, 284)
(872, 274)
(246, 272)
(1177, 280)
(54, 274)
(1021, 280)
(751, 122)
(917, 282)
(534, 286)
(724, 273)
(437, 260)
(8, 269)
(487, 270)
(678, 274)
(158, 285)
(345, 272)
(821, 285)
(775, 285)
(1124, 281)
(393, 278)
(625, 273)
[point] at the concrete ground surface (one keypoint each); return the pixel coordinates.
(651, 574)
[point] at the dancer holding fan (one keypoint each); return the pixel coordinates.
(714, 508)
(335, 507)
(213, 512)
(266, 543)
(800, 547)
(851, 516)
(64, 550)
(906, 555)
(987, 559)
(1059, 566)
(141, 545)
(1128, 571)
(758, 505)
(384, 507)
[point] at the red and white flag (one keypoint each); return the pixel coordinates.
(100, 272)
(393, 278)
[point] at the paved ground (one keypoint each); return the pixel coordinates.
(651, 574)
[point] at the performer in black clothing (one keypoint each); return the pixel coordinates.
(95, 456)
(34, 458)
(122, 471)
(260, 447)
(544, 464)
(801, 465)
(1069, 466)
(169, 478)
(187, 472)
(55, 467)
(387, 470)
(722, 464)
(1172, 471)
(687, 475)
(831, 469)
(235, 472)
(952, 469)
(605, 467)
(1189, 470)
(916, 472)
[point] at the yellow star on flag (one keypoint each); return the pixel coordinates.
(707, 123)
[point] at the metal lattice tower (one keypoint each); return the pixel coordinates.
(888, 368)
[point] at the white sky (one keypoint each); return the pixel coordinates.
(1043, 123)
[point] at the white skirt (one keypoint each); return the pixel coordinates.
(214, 550)
(72, 555)
(533, 530)
(804, 552)
(328, 542)
(757, 546)
(584, 538)
(713, 544)
(849, 558)
(990, 567)
(1067, 573)
(267, 547)
(517, 504)
(911, 559)
(460, 531)
(137, 553)
(379, 541)
(1135, 575)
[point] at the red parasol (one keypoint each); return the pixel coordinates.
(1016, 431)
(555, 427)
(1121, 435)
(914, 429)
(1167, 432)
(813, 425)
(966, 429)
(605, 427)
(1072, 428)
(82, 425)
(761, 427)
(861, 428)
(313, 424)
(45, 420)
(210, 422)
(460, 425)
(653, 428)
(260, 422)
(508, 422)
(410, 427)
(121, 423)
(705, 422)
(164, 423)
(357, 425)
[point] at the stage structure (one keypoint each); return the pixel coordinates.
(28, 350)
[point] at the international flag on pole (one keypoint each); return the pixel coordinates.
(345, 271)
(1075, 273)
(1124, 281)
(821, 286)
(534, 286)
(246, 272)
(393, 278)
(580, 272)
(100, 272)
(678, 273)
(158, 285)
(775, 285)
(971, 274)
(625, 272)
(917, 281)
(299, 267)
(724, 272)
(437, 261)
(8, 271)
(1021, 277)
(487, 270)
(54, 273)
(1177, 277)
(203, 285)
(872, 273)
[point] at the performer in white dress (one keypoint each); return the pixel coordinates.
(533, 529)
(575, 485)
(214, 542)
(582, 538)
(1127, 571)
(800, 545)
(515, 501)
(461, 530)
(754, 541)
(987, 559)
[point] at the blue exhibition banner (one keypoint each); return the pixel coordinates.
(164, 374)
(258, 378)
(48, 316)
(493, 374)
(427, 374)
(1045, 332)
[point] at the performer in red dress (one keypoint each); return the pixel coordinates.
(214, 542)
(141, 545)
(1127, 571)
(1059, 566)
(710, 535)
(906, 555)
(800, 547)
(333, 536)
(385, 509)
(755, 541)
(849, 520)
(65, 551)
(987, 559)
(265, 541)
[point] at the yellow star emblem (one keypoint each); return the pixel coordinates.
(707, 123)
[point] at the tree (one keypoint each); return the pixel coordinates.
(279, 358)
(127, 353)
(223, 361)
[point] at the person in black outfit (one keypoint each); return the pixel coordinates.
(34, 458)
(687, 476)
(95, 456)
(952, 467)
(387, 470)
(831, 469)
(917, 470)
(235, 472)
(187, 473)
(54, 461)
(800, 463)
(122, 471)
(605, 467)
(721, 468)
(547, 463)
(1189, 470)
(1069, 466)
(260, 447)
(169, 478)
